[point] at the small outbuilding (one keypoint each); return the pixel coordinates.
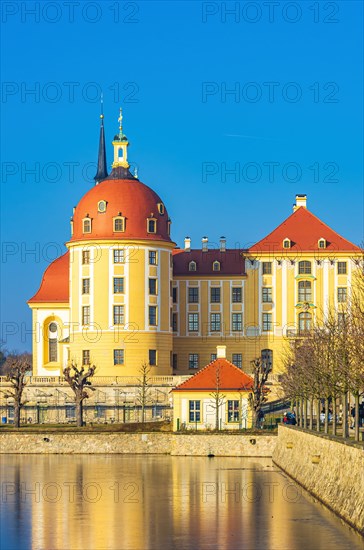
(216, 397)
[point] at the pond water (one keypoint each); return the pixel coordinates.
(141, 502)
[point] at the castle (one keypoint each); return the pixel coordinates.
(124, 294)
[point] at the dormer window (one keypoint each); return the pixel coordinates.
(169, 227)
(287, 243)
(192, 266)
(216, 266)
(322, 243)
(161, 208)
(101, 207)
(86, 225)
(119, 224)
(151, 225)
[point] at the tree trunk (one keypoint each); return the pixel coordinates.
(305, 413)
(334, 426)
(356, 417)
(318, 410)
(79, 411)
(311, 413)
(16, 414)
(345, 415)
(326, 415)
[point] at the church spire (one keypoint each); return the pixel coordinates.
(101, 160)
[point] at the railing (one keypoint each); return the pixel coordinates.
(105, 380)
(170, 381)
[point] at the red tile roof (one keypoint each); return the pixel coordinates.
(304, 230)
(231, 378)
(55, 283)
(231, 262)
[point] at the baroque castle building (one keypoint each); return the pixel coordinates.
(124, 294)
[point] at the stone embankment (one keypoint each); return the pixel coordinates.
(142, 443)
(330, 469)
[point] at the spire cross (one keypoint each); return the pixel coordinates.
(102, 109)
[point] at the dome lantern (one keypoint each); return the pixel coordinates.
(120, 145)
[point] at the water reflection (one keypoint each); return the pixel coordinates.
(154, 502)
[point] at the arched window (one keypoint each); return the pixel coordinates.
(86, 225)
(52, 342)
(322, 243)
(304, 291)
(119, 224)
(304, 322)
(192, 266)
(151, 225)
(216, 266)
(304, 268)
(267, 358)
(287, 243)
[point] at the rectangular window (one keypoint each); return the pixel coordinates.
(174, 322)
(193, 322)
(341, 294)
(118, 315)
(85, 357)
(85, 286)
(175, 360)
(118, 285)
(266, 294)
(233, 410)
(153, 315)
(70, 412)
(86, 315)
(119, 224)
(193, 361)
(213, 356)
(215, 321)
(153, 287)
(153, 357)
(192, 295)
(152, 226)
(341, 268)
(194, 411)
(236, 321)
(119, 256)
(100, 411)
(237, 360)
(215, 295)
(53, 343)
(237, 295)
(267, 322)
(174, 294)
(118, 356)
(85, 257)
(267, 268)
(153, 258)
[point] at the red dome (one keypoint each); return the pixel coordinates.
(128, 198)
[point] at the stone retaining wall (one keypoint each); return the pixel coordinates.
(328, 468)
(147, 443)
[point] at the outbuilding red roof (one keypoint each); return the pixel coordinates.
(221, 373)
(304, 230)
(55, 282)
(231, 262)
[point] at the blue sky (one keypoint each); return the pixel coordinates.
(272, 93)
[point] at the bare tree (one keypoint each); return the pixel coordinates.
(79, 381)
(217, 396)
(17, 367)
(143, 388)
(261, 369)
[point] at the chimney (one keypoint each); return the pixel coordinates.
(301, 200)
(205, 242)
(187, 244)
(222, 244)
(221, 352)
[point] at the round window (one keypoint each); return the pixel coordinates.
(102, 206)
(53, 327)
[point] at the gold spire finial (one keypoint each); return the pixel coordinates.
(102, 106)
(120, 119)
